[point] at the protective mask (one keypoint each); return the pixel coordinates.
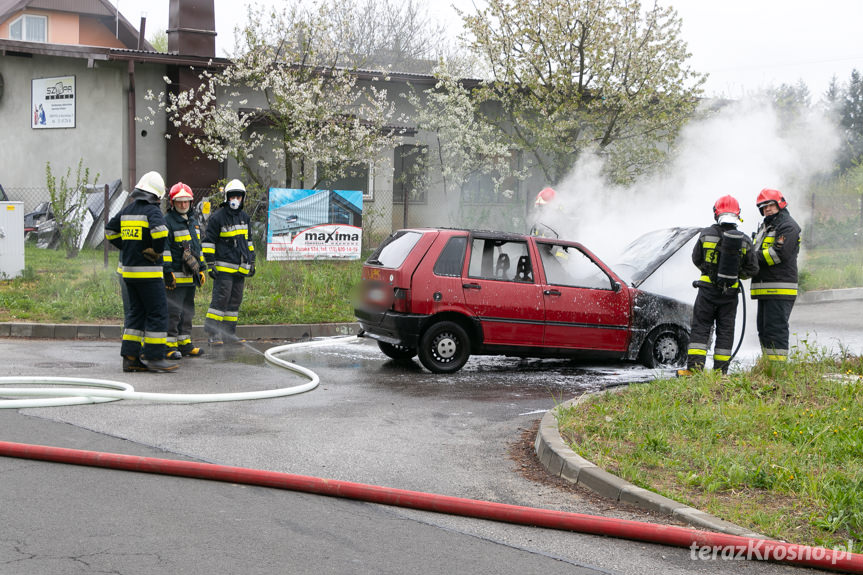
(234, 203)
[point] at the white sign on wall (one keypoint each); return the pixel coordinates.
(53, 102)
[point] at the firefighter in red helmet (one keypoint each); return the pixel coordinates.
(725, 256)
(777, 244)
(543, 198)
(186, 269)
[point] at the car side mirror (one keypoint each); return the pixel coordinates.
(615, 286)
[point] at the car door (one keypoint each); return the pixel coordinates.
(585, 308)
(500, 289)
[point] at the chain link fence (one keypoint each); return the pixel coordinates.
(380, 217)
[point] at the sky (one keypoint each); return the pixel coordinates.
(744, 45)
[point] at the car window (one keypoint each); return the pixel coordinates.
(500, 260)
(568, 266)
(451, 258)
(395, 249)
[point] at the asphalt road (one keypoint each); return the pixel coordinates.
(370, 421)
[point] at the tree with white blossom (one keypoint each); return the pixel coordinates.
(605, 76)
(464, 143)
(288, 105)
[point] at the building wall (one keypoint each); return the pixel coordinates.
(100, 135)
(92, 32)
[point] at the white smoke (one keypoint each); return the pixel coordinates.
(738, 150)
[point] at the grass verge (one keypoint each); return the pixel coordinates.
(55, 289)
(831, 268)
(776, 450)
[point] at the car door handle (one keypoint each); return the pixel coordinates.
(551, 292)
(471, 286)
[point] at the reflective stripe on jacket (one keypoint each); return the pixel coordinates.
(181, 230)
(227, 246)
(777, 244)
(138, 226)
(705, 255)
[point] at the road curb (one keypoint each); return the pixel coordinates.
(829, 295)
(115, 332)
(558, 459)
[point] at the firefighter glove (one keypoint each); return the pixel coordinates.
(150, 254)
(252, 271)
(212, 273)
(203, 277)
(170, 281)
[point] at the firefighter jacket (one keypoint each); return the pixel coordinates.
(705, 256)
(777, 243)
(137, 227)
(227, 247)
(183, 233)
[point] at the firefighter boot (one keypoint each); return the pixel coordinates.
(193, 352)
(133, 363)
(159, 365)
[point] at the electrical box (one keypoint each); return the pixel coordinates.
(11, 239)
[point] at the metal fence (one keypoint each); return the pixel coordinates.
(380, 217)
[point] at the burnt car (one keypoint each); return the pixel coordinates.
(445, 294)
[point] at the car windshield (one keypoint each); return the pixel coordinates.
(393, 251)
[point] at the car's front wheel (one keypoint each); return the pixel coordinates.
(396, 351)
(665, 347)
(444, 347)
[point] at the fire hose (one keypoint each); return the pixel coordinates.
(85, 390)
(761, 549)
(696, 540)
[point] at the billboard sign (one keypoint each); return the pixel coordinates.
(314, 224)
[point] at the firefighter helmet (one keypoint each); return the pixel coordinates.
(182, 192)
(544, 196)
(766, 196)
(153, 183)
(726, 206)
(235, 188)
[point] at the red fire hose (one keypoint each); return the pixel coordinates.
(703, 544)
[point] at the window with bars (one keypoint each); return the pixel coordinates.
(355, 177)
(30, 28)
(409, 175)
(479, 188)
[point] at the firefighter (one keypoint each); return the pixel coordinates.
(139, 231)
(543, 198)
(777, 243)
(230, 256)
(185, 269)
(725, 256)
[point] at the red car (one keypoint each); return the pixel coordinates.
(444, 294)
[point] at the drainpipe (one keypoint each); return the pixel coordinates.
(132, 128)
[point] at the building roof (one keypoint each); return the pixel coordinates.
(100, 9)
(95, 53)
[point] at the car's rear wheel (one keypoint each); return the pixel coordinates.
(396, 351)
(444, 347)
(665, 347)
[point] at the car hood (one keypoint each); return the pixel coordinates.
(647, 253)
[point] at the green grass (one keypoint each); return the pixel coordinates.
(54, 289)
(777, 450)
(831, 268)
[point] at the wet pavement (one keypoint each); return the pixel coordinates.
(372, 420)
